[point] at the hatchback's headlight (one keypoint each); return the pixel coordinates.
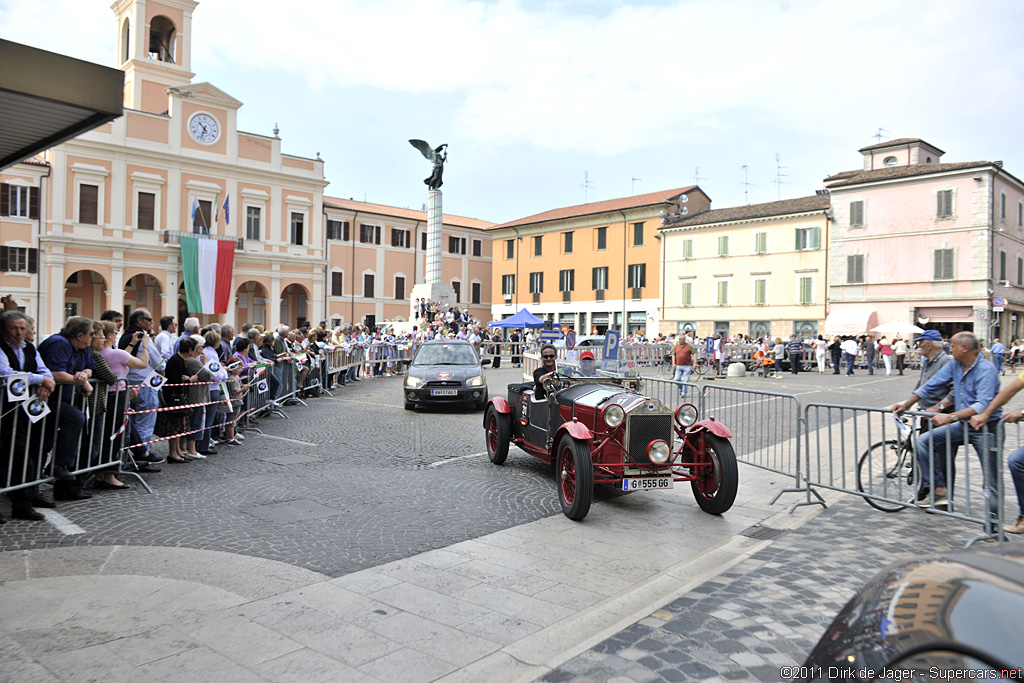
(686, 414)
(475, 381)
(413, 382)
(659, 452)
(614, 415)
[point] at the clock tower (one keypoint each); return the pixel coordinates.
(154, 49)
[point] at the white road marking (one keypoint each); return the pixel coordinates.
(62, 523)
(285, 438)
(460, 457)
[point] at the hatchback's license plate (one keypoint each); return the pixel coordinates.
(646, 483)
(444, 392)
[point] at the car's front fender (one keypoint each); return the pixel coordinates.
(576, 430)
(500, 405)
(713, 426)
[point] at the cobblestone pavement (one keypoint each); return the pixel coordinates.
(769, 610)
(346, 483)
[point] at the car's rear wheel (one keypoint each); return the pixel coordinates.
(574, 474)
(498, 430)
(717, 476)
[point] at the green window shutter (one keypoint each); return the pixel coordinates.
(687, 294)
(799, 234)
(815, 238)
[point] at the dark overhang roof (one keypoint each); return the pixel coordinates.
(47, 98)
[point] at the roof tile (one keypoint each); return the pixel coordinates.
(662, 197)
(855, 177)
(751, 211)
(396, 212)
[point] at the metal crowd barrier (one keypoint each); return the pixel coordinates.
(858, 450)
(31, 452)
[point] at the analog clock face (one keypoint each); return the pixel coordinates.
(204, 129)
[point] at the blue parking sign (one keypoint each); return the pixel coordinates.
(611, 344)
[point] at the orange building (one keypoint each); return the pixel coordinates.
(590, 266)
(114, 202)
(377, 253)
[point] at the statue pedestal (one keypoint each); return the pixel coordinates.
(433, 292)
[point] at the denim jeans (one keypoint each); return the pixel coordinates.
(1016, 465)
(148, 399)
(871, 363)
(849, 360)
(683, 375)
(931, 447)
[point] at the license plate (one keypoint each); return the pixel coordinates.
(444, 392)
(646, 483)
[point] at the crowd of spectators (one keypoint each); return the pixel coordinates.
(187, 390)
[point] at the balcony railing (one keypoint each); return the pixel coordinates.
(174, 237)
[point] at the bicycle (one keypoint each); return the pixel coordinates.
(881, 467)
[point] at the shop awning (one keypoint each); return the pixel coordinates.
(844, 320)
(946, 314)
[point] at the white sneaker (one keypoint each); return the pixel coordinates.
(240, 437)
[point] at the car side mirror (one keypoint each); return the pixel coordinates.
(485, 361)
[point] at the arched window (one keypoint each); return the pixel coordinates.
(161, 39)
(125, 40)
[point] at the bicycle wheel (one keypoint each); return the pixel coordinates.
(668, 368)
(700, 367)
(880, 471)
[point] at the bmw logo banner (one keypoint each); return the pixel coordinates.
(36, 409)
(214, 366)
(154, 381)
(17, 387)
(262, 386)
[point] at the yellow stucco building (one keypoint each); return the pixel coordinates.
(755, 270)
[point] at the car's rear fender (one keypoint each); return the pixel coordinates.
(713, 426)
(500, 405)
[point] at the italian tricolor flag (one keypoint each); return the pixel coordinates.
(208, 265)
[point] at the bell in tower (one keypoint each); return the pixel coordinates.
(161, 39)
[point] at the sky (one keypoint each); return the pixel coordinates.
(534, 97)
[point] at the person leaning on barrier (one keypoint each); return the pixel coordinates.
(1016, 460)
(67, 355)
(20, 356)
(974, 381)
(146, 399)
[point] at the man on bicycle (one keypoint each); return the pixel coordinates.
(974, 381)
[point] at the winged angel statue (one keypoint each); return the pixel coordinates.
(437, 157)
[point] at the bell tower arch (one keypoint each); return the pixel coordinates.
(154, 49)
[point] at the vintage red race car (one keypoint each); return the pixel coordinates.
(602, 430)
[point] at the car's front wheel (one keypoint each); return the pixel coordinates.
(574, 473)
(717, 476)
(498, 429)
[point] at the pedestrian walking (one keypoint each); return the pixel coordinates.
(820, 348)
(998, 354)
(900, 349)
(836, 349)
(869, 353)
(850, 348)
(780, 355)
(796, 353)
(885, 350)
(682, 358)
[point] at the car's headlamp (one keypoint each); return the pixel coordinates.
(686, 414)
(477, 381)
(659, 452)
(613, 415)
(414, 382)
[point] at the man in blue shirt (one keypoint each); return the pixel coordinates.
(68, 358)
(998, 354)
(975, 382)
(17, 466)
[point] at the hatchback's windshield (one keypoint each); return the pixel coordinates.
(446, 354)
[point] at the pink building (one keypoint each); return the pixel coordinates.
(915, 239)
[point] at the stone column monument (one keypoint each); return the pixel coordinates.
(432, 287)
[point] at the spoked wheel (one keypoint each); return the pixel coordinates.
(498, 430)
(574, 476)
(717, 476)
(668, 368)
(879, 472)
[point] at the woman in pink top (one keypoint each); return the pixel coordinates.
(885, 348)
(118, 360)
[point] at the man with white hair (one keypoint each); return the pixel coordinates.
(190, 328)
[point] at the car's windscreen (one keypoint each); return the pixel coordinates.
(445, 354)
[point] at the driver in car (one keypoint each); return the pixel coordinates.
(588, 366)
(547, 369)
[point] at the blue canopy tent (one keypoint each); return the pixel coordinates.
(521, 319)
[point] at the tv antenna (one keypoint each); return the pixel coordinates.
(632, 185)
(879, 135)
(746, 185)
(779, 175)
(696, 176)
(586, 185)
